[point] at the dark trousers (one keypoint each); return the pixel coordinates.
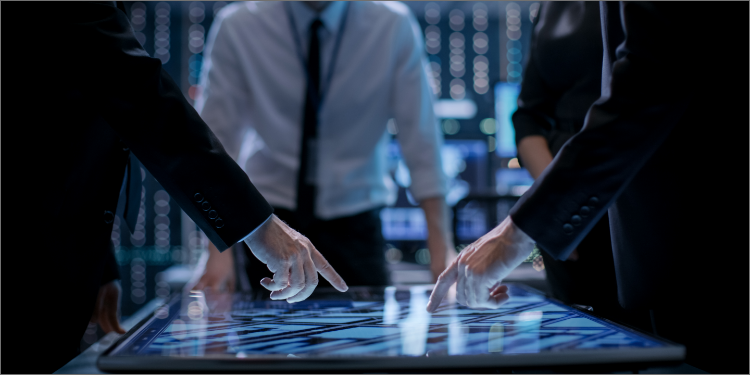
(49, 293)
(353, 245)
(708, 315)
(591, 279)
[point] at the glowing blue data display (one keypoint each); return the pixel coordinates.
(391, 323)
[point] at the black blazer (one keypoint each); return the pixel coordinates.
(79, 94)
(562, 76)
(667, 135)
(91, 95)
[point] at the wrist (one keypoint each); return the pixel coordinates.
(517, 235)
(258, 233)
(513, 242)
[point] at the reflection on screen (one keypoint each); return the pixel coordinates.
(395, 325)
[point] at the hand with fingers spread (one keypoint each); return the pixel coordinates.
(482, 266)
(294, 261)
(107, 307)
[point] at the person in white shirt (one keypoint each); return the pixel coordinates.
(320, 80)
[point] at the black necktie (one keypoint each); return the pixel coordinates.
(308, 150)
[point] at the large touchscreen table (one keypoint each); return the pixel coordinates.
(370, 329)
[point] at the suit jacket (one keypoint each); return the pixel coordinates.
(80, 95)
(562, 77)
(650, 153)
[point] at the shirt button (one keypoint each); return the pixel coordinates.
(198, 197)
(593, 201)
(109, 217)
(576, 220)
(585, 210)
(212, 214)
(567, 228)
(205, 206)
(219, 223)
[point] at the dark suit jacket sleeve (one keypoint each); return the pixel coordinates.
(536, 100)
(646, 95)
(150, 114)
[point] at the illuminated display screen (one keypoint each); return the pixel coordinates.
(384, 322)
(506, 96)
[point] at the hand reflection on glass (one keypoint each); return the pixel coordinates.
(415, 326)
(193, 313)
(495, 340)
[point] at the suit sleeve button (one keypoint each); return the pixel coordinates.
(109, 217)
(212, 214)
(219, 223)
(576, 220)
(198, 197)
(567, 228)
(205, 206)
(593, 201)
(585, 210)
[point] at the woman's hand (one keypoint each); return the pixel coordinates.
(534, 152)
(107, 308)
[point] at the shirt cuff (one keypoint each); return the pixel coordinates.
(256, 229)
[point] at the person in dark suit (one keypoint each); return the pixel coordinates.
(678, 252)
(80, 95)
(562, 79)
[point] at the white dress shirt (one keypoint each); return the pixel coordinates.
(253, 91)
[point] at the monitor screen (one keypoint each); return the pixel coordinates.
(375, 323)
(506, 96)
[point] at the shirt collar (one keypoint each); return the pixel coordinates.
(331, 16)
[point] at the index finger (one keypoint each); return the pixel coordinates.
(325, 270)
(446, 279)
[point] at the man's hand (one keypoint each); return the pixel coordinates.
(439, 241)
(481, 267)
(294, 261)
(219, 271)
(107, 308)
